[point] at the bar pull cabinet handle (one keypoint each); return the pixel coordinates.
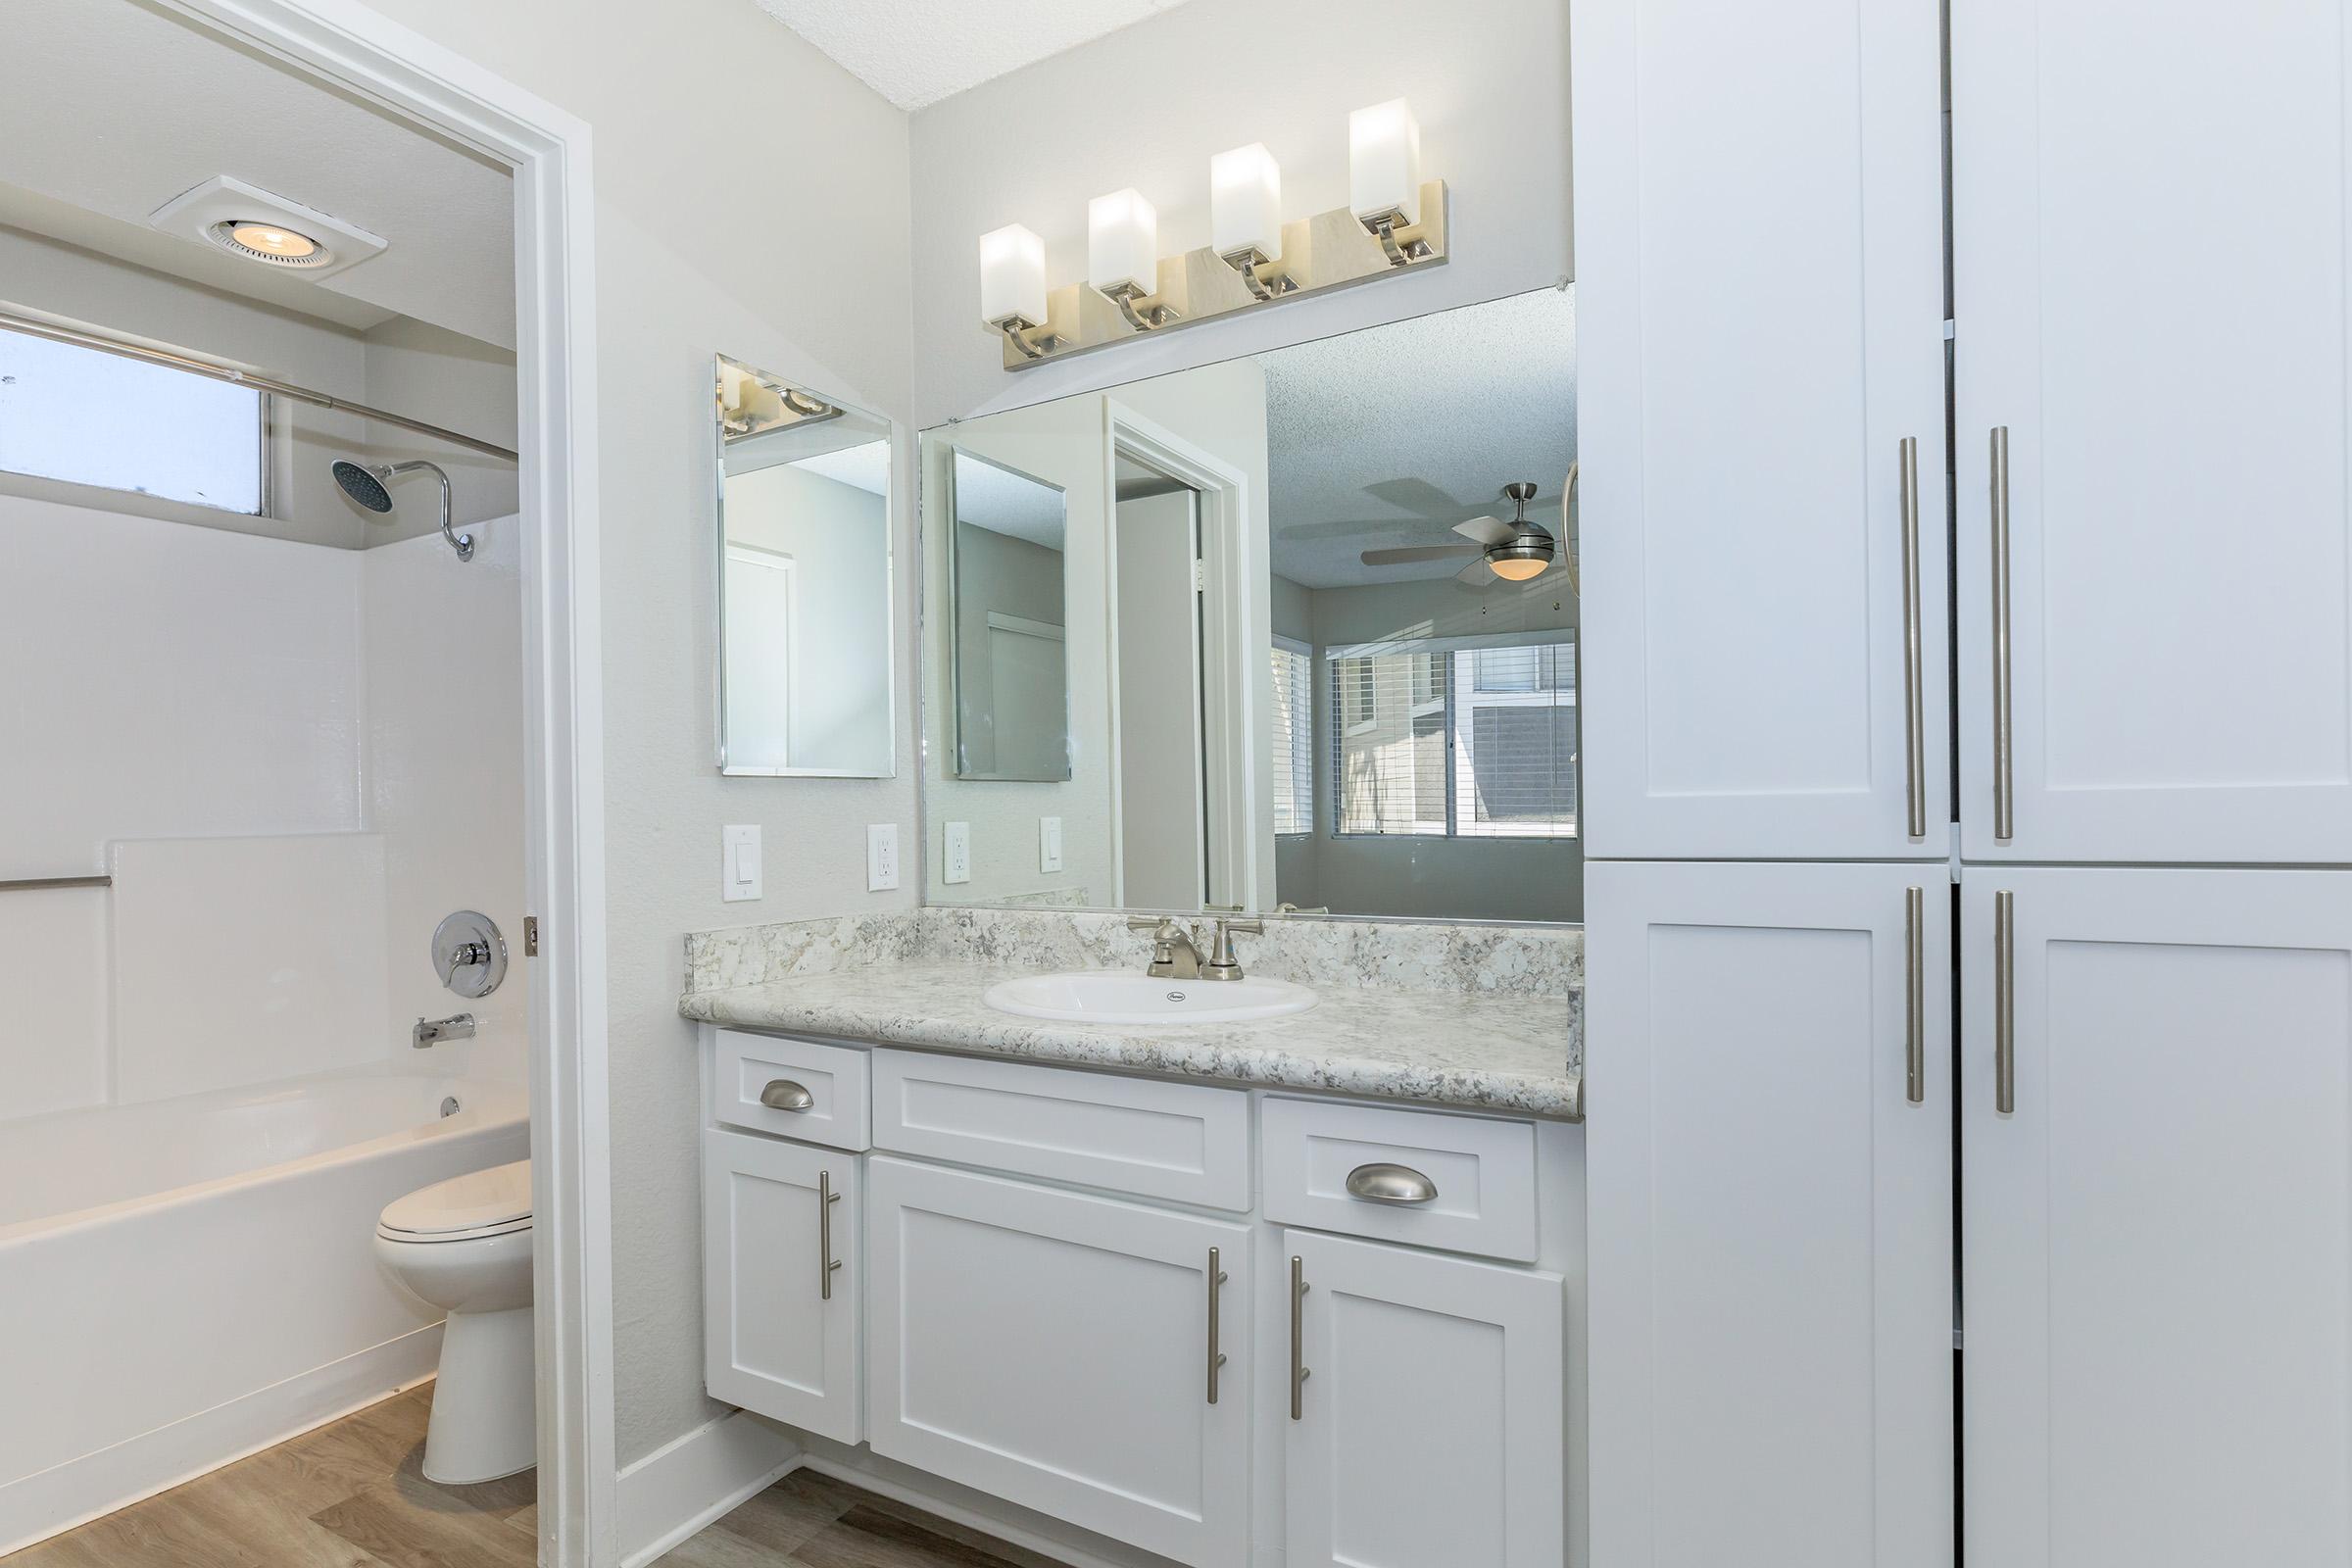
(1384, 1183)
(2004, 762)
(2004, 1002)
(1915, 734)
(782, 1094)
(1216, 1357)
(1299, 1371)
(827, 1198)
(1915, 1000)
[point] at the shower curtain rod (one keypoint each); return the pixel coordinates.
(260, 383)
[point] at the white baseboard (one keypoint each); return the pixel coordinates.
(695, 1480)
(38, 1506)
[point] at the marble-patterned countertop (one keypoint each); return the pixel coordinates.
(1486, 1051)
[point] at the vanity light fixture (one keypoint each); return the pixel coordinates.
(1013, 288)
(1394, 221)
(1122, 256)
(1245, 216)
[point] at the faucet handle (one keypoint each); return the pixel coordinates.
(1221, 963)
(1153, 923)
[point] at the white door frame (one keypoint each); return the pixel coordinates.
(1232, 681)
(563, 695)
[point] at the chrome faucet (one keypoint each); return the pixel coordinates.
(432, 1031)
(1173, 956)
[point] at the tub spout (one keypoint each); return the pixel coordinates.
(432, 1031)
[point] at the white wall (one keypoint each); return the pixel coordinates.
(459, 383)
(786, 253)
(1148, 106)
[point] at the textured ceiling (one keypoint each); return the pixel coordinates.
(917, 52)
(1007, 502)
(1388, 436)
(115, 107)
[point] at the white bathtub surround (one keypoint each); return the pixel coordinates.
(462, 1247)
(185, 1281)
(1503, 1035)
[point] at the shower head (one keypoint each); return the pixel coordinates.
(366, 484)
(363, 484)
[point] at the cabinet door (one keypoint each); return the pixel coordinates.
(1770, 1215)
(1760, 332)
(781, 1281)
(2157, 1240)
(1429, 1428)
(2149, 227)
(1057, 1351)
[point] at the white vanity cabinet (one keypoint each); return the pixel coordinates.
(1425, 1423)
(1060, 1350)
(780, 1296)
(1073, 1291)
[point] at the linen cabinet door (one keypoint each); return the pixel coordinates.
(1428, 1414)
(2156, 1231)
(1760, 419)
(1769, 1234)
(2150, 226)
(1060, 1351)
(781, 1282)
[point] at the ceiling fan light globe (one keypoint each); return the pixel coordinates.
(1517, 568)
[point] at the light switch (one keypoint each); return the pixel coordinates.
(881, 857)
(957, 863)
(739, 863)
(1049, 844)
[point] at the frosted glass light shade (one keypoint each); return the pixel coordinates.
(1122, 242)
(1012, 277)
(1384, 162)
(1245, 202)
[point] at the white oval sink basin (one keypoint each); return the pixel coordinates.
(1124, 996)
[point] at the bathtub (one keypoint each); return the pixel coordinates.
(185, 1281)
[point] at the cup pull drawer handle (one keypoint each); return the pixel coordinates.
(1383, 1183)
(782, 1094)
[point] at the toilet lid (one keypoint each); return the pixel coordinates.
(476, 1200)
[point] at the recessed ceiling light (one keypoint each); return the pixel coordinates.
(268, 242)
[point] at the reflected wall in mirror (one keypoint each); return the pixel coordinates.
(1319, 615)
(805, 682)
(1008, 658)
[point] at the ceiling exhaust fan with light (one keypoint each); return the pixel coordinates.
(1517, 551)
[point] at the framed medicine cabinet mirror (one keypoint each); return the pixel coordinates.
(806, 633)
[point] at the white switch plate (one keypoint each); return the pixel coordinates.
(739, 863)
(1049, 844)
(957, 860)
(881, 857)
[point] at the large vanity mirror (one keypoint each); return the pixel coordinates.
(805, 680)
(1298, 630)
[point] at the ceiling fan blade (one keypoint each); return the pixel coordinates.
(1487, 530)
(1397, 557)
(1478, 574)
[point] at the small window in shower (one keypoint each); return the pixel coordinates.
(91, 417)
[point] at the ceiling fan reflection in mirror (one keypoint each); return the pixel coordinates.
(1516, 551)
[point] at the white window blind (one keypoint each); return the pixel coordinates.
(1294, 739)
(1456, 737)
(92, 417)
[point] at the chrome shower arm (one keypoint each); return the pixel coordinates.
(462, 543)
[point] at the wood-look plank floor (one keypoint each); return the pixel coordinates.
(351, 1494)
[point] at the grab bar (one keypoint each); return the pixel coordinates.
(32, 884)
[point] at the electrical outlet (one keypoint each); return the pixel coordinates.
(1049, 844)
(957, 863)
(881, 857)
(739, 863)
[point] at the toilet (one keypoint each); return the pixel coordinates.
(464, 1246)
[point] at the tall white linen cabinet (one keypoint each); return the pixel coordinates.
(1967, 832)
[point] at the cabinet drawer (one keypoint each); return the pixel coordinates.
(744, 1065)
(1183, 1142)
(1483, 1172)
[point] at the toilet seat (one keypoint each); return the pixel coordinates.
(468, 1207)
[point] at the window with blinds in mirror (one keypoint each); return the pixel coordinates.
(1455, 738)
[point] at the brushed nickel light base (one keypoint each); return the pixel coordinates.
(1329, 250)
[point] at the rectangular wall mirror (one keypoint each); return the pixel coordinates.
(805, 666)
(1008, 658)
(1292, 630)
